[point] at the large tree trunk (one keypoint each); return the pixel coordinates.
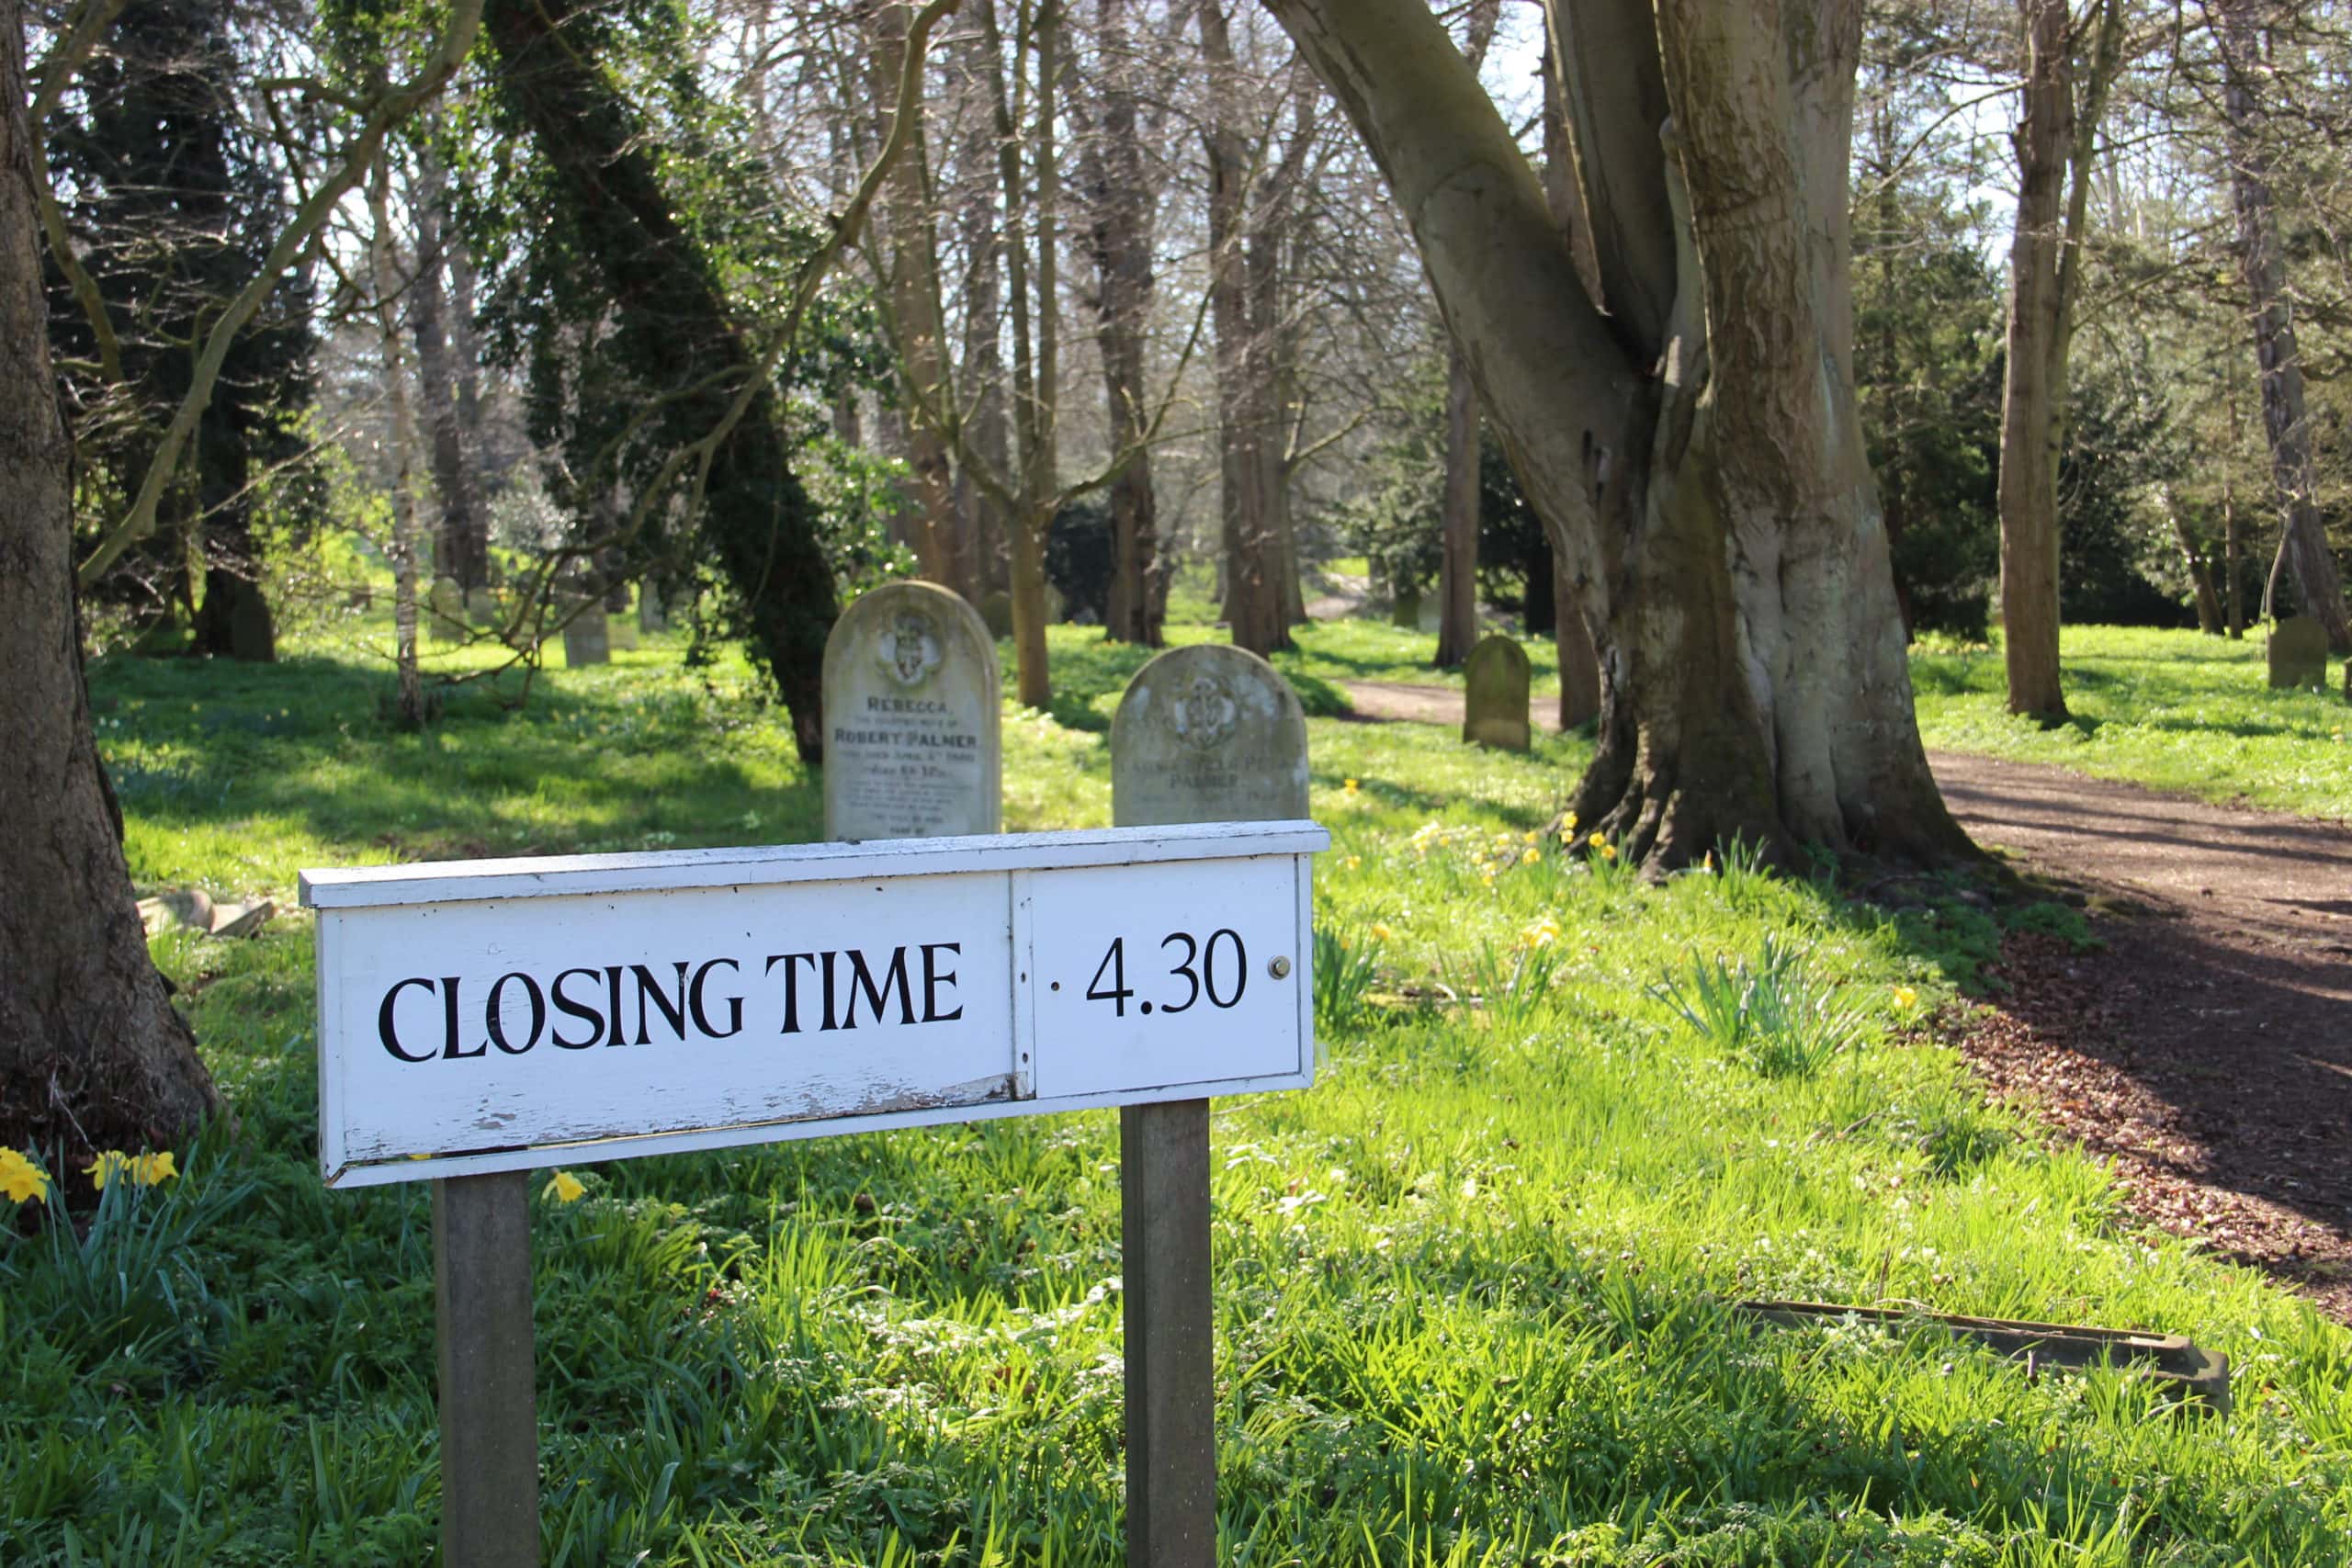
(2036, 374)
(669, 297)
(1700, 441)
(1579, 664)
(2262, 262)
(92, 1056)
(1122, 200)
(1457, 572)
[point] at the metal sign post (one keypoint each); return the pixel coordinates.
(480, 1019)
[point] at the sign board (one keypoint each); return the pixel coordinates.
(498, 1015)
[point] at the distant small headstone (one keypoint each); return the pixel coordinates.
(2298, 653)
(996, 613)
(912, 749)
(587, 635)
(1495, 680)
(445, 611)
(621, 629)
(1405, 609)
(1055, 605)
(1207, 734)
(652, 612)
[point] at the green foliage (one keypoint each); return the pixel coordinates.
(2171, 709)
(1470, 1287)
(1772, 1013)
(1345, 969)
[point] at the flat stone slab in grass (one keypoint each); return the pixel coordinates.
(2298, 653)
(1207, 734)
(1495, 686)
(912, 749)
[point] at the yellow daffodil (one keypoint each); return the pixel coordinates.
(20, 1179)
(564, 1187)
(149, 1170)
(1543, 934)
(1906, 997)
(1608, 851)
(1568, 823)
(101, 1169)
(1349, 785)
(1381, 933)
(1595, 841)
(1353, 862)
(1529, 856)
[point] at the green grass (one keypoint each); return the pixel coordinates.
(1471, 1288)
(2170, 709)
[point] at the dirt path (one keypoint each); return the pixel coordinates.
(2207, 1048)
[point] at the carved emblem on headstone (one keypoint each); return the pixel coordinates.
(1205, 714)
(910, 649)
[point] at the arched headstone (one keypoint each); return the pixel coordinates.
(1207, 734)
(912, 749)
(1495, 683)
(2298, 653)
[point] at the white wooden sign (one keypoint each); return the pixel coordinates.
(496, 1015)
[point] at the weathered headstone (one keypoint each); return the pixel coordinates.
(445, 611)
(620, 628)
(2298, 653)
(1405, 609)
(587, 635)
(1494, 682)
(652, 611)
(1207, 734)
(911, 743)
(996, 613)
(1203, 734)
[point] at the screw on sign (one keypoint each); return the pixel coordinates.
(482, 1018)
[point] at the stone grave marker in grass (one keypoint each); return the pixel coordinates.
(912, 743)
(1203, 734)
(620, 629)
(1494, 704)
(2298, 653)
(996, 613)
(587, 635)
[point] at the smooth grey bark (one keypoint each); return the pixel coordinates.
(1701, 445)
(2262, 265)
(461, 542)
(91, 1055)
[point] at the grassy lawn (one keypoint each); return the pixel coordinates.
(1472, 1289)
(2167, 708)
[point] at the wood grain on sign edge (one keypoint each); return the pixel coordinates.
(587, 875)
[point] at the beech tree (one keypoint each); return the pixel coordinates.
(1691, 426)
(92, 1056)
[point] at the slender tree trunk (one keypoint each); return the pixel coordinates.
(1457, 575)
(1579, 664)
(918, 333)
(2233, 549)
(675, 306)
(2200, 576)
(409, 703)
(91, 1055)
(2262, 262)
(2036, 387)
(1699, 438)
(461, 543)
(985, 530)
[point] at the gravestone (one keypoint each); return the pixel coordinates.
(621, 629)
(587, 637)
(1494, 706)
(911, 700)
(1054, 605)
(1405, 610)
(1205, 734)
(652, 614)
(2298, 653)
(996, 613)
(445, 611)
